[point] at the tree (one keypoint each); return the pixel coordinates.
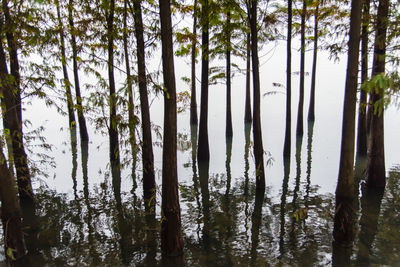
(14, 244)
(203, 149)
(149, 183)
(376, 175)
(299, 129)
(362, 110)
(171, 232)
(344, 212)
(193, 101)
(257, 136)
(73, 31)
(247, 109)
(311, 110)
(228, 129)
(287, 144)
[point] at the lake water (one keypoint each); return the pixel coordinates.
(224, 222)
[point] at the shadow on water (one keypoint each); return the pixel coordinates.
(286, 164)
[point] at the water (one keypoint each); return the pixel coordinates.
(225, 223)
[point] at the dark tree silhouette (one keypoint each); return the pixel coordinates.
(311, 110)
(228, 129)
(193, 97)
(247, 109)
(299, 129)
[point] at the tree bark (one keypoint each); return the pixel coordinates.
(81, 118)
(203, 150)
(376, 175)
(10, 212)
(171, 232)
(257, 135)
(311, 110)
(288, 143)
(247, 109)
(343, 231)
(149, 183)
(299, 129)
(193, 101)
(362, 131)
(228, 129)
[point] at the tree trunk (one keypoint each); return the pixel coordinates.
(362, 110)
(257, 135)
(247, 109)
(288, 143)
(311, 110)
(149, 183)
(343, 231)
(376, 176)
(67, 84)
(203, 149)
(299, 129)
(171, 232)
(193, 101)
(228, 129)
(113, 127)
(81, 118)
(10, 91)
(131, 106)
(10, 212)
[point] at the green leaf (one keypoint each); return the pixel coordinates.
(10, 253)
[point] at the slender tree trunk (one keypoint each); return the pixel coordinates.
(131, 106)
(257, 135)
(149, 183)
(228, 129)
(81, 118)
(247, 109)
(299, 129)
(203, 150)
(10, 212)
(171, 232)
(113, 127)
(193, 101)
(311, 110)
(288, 143)
(10, 91)
(67, 84)
(376, 175)
(343, 231)
(362, 110)
(8, 139)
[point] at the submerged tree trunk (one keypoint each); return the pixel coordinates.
(299, 129)
(288, 143)
(376, 176)
(343, 231)
(247, 109)
(149, 183)
(67, 84)
(11, 93)
(113, 124)
(81, 118)
(171, 232)
(311, 110)
(193, 101)
(257, 136)
(203, 149)
(10, 213)
(362, 109)
(228, 129)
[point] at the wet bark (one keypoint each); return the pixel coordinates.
(81, 117)
(376, 176)
(299, 129)
(67, 84)
(343, 231)
(288, 128)
(311, 110)
(171, 232)
(247, 109)
(228, 129)
(362, 109)
(149, 184)
(257, 136)
(193, 97)
(203, 149)
(10, 212)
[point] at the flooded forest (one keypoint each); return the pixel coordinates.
(199, 133)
